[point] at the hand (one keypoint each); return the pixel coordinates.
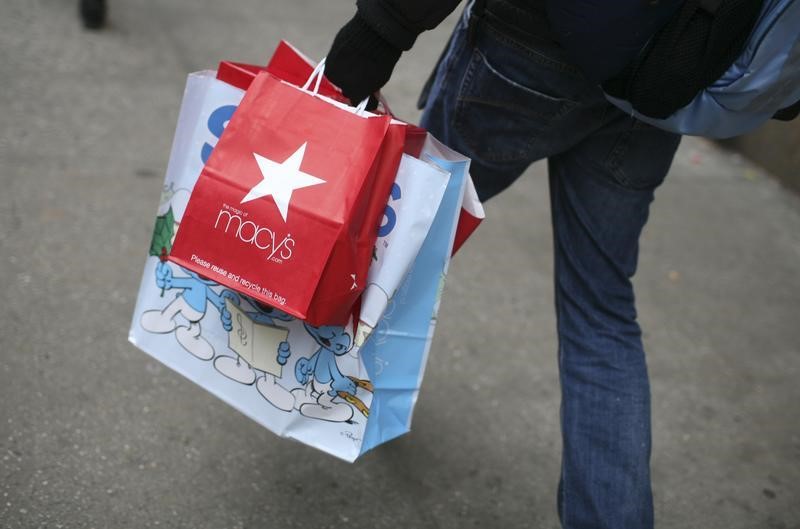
(303, 371)
(283, 353)
(360, 60)
(343, 384)
(163, 275)
(226, 318)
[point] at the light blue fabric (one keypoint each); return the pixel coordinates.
(395, 354)
(764, 79)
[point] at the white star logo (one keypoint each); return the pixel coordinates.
(280, 179)
(355, 284)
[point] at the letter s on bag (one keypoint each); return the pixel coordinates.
(216, 126)
(391, 216)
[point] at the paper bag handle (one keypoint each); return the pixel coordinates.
(316, 77)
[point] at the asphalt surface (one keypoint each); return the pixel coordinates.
(96, 434)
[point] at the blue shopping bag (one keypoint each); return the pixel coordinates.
(396, 353)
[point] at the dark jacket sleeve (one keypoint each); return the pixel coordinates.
(401, 21)
(366, 49)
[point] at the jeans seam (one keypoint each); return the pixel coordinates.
(614, 158)
(559, 310)
(568, 104)
(457, 47)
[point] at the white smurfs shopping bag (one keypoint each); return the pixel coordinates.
(312, 384)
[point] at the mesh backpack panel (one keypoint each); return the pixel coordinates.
(699, 43)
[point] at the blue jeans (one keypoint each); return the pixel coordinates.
(507, 103)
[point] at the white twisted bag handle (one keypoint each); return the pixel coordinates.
(316, 77)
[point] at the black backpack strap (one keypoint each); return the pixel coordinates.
(788, 113)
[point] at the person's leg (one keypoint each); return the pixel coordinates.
(600, 192)
(505, 104)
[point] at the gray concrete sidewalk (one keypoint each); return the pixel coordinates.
(95, 434)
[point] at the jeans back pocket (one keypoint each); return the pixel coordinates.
(501, 119)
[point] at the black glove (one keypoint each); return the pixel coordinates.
(360, 61)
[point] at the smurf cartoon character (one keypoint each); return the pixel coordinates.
(326, 391)
(191, 303)
(258, 341)
(196, 293)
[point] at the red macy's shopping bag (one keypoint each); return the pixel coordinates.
(287, 207)
(291, 65)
